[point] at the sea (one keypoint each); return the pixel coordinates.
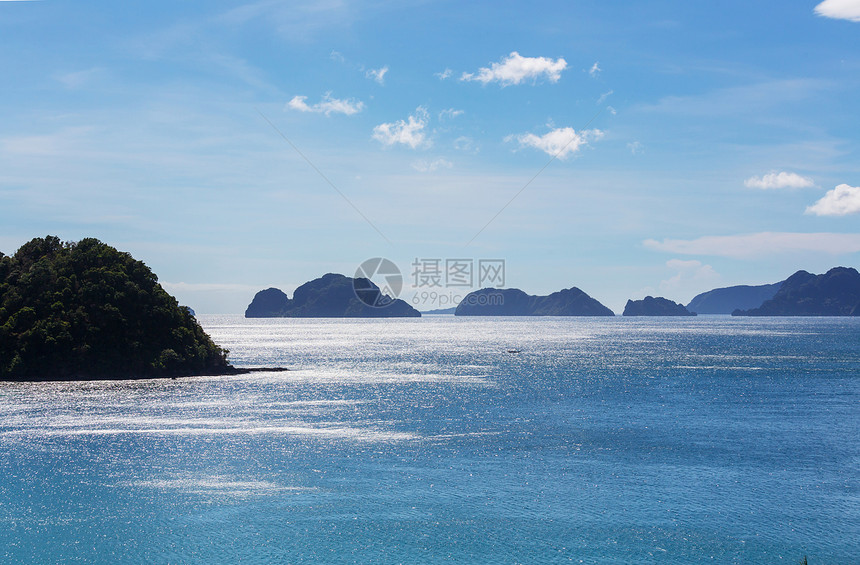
(453, 440)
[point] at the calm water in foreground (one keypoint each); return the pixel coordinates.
(711, 440)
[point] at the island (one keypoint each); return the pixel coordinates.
(515, 302)
(727, 300)
(330, 296)
(440, 311)
(82, 311)
(659, 306)
(835, 293)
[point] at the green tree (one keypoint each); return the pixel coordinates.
(86, 310)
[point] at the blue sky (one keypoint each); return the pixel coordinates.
(660, 148)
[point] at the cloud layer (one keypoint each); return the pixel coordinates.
(423, 166)
(515, 69)
(840, 201)
(560, 142)
(840, 9)
(444, 74)
(377, 74)
(748, 246)
(406, 132)
(687, 272)
(327, 105)
(779, 180)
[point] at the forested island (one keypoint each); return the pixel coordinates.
(76, 311)
(835, 293)
(330, 296)
(728, 299)
(655, 306)
(514, 302)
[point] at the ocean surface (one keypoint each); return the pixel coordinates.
(682, 441)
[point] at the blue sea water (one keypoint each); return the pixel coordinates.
(676, 441)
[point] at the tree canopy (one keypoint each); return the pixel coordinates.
(85, 310)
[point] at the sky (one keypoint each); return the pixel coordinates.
(626, 148)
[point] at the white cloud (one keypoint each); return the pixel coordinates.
(560, 142)
(604, 96)
(516, 68)
(595, 69)
(408, 132)
(423, 166)
(840, 9)
(748, 246)
(450, 113)
(377, 74)
(444, 74)
(467, 144)
(840, 201)
(779, 180)
(327, 106)
(635, 147)
(688, 273)
(683, 265)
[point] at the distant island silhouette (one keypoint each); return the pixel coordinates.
(329, 296)
(84, 310)
(727, 300)
(515, 302)
(440, 311)
(659, 306)
(80, 311)
(835, 293)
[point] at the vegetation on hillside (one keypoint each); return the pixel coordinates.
(85, 310)
(835, 293)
